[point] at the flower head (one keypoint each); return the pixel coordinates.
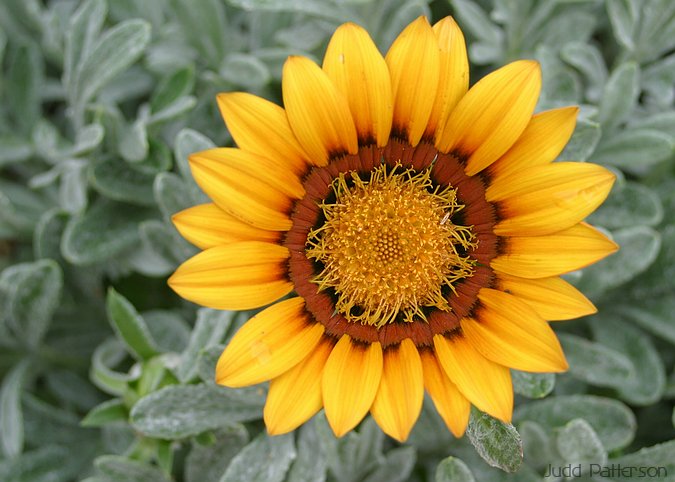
(421, 226)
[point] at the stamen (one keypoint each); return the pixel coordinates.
(389, 247)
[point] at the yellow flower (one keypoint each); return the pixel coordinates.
(421, 227)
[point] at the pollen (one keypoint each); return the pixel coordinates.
(388, 247)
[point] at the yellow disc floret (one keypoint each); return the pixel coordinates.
(388, 245)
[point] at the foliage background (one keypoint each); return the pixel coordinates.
(107, 375)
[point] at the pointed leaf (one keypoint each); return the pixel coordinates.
(176, 412)
(130, 326)
(266, 459)
(498, 443)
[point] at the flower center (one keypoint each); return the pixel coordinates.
(389, 246)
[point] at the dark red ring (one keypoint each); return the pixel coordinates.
(447, 169)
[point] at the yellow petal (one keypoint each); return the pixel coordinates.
(551, 298)
(452, 406)
(507, 331)
(540, 143)
(454, 73)
(265, 169)
(414, 66)
(295, 396)
(485, 383)
(350, 381)
(553, 254)
(545, 177)
(261, 127)
(492, 115)
(318, 114)
(206, 225)
(399, 399)
(548, 198)
(242, 194)
(269, 344)
(237, 276)
(360, 74)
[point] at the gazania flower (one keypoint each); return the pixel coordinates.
(414, 231)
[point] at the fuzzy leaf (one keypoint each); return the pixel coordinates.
(176, 412)
(33, 292)
(24, 81)
(648, 381)
(612, 420)
(171, 88)
(353, 456)
(639, 247)
(85, 26)
(587, 59)
(14, 149)
(583, 142)
(171, 194)
(595, 363)
(657, 318)
(397, 467)
(452, 469)
(579, 444)
(309, 465)
(113, 53)
(629, 204)
(118, 181)
(635, 150)
(532, 385)
(189, 142)
(107, 355)
(130, 326)
(117, 468)
(660, 459)
(101, 233)
(620, 95)
(537, 446)
(11, 415)
(473, 19)
(209, 330)
(242, 69)
(107, 412)
(623, 19)
(208, 462)
(266, 459)
(498, 443)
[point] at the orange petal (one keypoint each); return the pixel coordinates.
(492, 115)
(241, 193)
(553, 254)
(548, 198)
(350, 381)
(485, 383)
(261, 127)
(454, 73)
(540, 143)
(295, 396)
(269, 344)
(237, 276)
(360, 74)
(399, 399)
(509, 332)
(452, 406)
(206, 225)
(551, 298)
(318, 114)
(414, 66)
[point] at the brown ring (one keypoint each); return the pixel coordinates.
(447, 169)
